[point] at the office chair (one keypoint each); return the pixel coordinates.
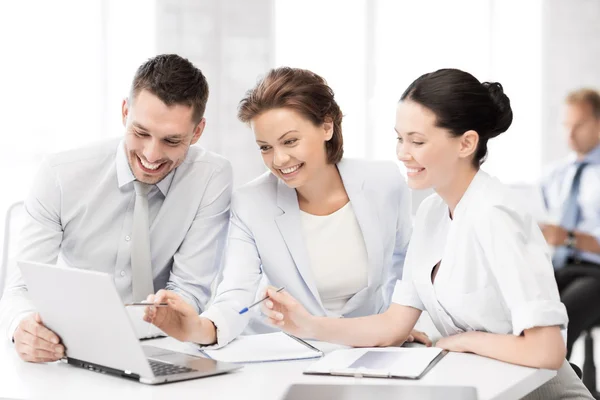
(589, 365)
(9, 229)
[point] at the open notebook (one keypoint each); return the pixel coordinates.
(267, 347)
(391, 362)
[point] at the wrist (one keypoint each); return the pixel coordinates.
(203, 332)
(570, 240)
(316, 328)
(469, 339)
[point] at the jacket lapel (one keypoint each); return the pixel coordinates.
(367, 219)
(290, 226)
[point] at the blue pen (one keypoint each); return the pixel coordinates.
(245, 310)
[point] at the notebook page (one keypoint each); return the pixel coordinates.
(262, 348)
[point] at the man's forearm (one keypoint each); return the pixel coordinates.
(586, 242)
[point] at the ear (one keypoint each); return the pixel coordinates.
(468, 144)
(124, 110)
(328, 129)
(198, 131)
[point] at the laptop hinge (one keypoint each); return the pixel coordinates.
(101, 369)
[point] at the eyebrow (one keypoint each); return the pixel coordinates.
(280, 137)
(407, 133)
(143, 128)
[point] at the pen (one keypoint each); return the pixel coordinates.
(303, 342)
(244, 310)
(147, 304)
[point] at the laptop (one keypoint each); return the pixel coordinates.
(87, 313)
(379, 392)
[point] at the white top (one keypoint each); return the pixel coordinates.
(337, 254)
(80, 208)
(266, 245)
(496, 273)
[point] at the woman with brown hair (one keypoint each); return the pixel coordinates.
(477, 263)
(333, 231)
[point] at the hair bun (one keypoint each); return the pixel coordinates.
(504, 113)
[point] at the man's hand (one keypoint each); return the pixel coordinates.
(36, 343)
(554, 234)
(179, 320)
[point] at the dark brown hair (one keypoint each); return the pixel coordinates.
(586, 96)
(461, 103)
(174, 80)
(302, 91)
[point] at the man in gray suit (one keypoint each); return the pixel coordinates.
(147, 208)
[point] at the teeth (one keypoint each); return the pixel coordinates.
(412, 170)
(150, 166)
(291, 169)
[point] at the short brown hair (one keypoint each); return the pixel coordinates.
(302, 91)
(174, 80)
(587, 96)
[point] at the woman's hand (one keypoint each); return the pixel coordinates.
(286, 313)
(419, 337)
(457, 343)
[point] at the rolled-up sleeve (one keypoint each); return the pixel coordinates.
(520, 262)
(405, 292)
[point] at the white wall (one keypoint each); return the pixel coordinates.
(571, 59)
(231, 42)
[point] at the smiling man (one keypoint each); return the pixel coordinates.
(149, 209)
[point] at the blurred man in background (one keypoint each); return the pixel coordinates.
(571, 193)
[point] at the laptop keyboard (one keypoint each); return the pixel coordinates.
(163, 369)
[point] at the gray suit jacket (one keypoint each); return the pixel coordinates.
(265, 237)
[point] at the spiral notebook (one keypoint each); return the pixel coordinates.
(266, 347)
(391, 362)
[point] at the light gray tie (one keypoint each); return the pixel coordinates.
(141, 260)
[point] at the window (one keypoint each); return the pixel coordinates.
(377, 48)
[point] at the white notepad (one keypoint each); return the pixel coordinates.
(391, 362)
(263, 348)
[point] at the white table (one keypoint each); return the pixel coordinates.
(20, 380)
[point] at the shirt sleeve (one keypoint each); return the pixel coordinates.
(405, 292)
(519, 259)
(38, 241)
(199, 258)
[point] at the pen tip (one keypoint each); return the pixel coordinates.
(244, 310)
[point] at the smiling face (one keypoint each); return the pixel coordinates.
(157, 136)
(292, 147)
(432, 156)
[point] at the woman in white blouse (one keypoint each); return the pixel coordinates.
(476, 263)
(333, 231)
